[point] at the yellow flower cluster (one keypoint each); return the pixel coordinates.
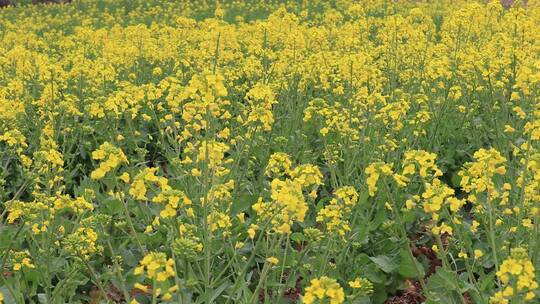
(14, 138)
(20, 260)
(213, 153)
(517, 274)
(200, 100)
(435, 195)
(138, 187)
(152, 128)
(335, 215)
(110, 158)
(172, 199)
(77, 205)
(46, 207)
(529, 179)
(421, 161)
(218, 220)
(187, 245)
(258, 112)
(288, 203)
(477, 177)
(362, 286)
(209, 156)
(374, 172)
(156, 266)
(324, 288)
(82, 243)
(337, 118)
(278, 165)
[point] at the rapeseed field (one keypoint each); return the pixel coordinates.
(255, 151)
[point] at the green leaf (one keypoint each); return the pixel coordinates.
(455, 180)
(444, 287)
(218, 291)
(113, 206)
(443, 280)
(385, 263)
(42, 298)
(487, 282)
(407, 266)
(297, 237)
(363, 198)
(6, 235)
(322, 202)
(409, 216)
(362, 235)
(243, 202)
(380, 217)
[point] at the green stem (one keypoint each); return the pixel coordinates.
(94, 277)
(446, 264)
(404, 235)
(131, 227)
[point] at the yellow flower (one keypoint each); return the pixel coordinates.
(196, 172)
(508, 291)
(527, 223)
(478, 176)
(252, 231)
(138, 190)
(335, 215)
(516, 269)
(218, 220)
(519, 112)
(478, 253)
(272, 260)
(82, 243)
(529, 296)
(355, 284)
(362, 287)
(141, 287)
(241, 217)
(324, 131)
(442, 229)
(373, 172)
(157, 266)
(324, 288)
(124, 177)
(110, 157)
(474, 226)
(509, 129)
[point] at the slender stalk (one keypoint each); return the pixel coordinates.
(132, 227)
(404, 236)
(94, 277)
(446, 264)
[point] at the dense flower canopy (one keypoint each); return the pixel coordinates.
(270, 152)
